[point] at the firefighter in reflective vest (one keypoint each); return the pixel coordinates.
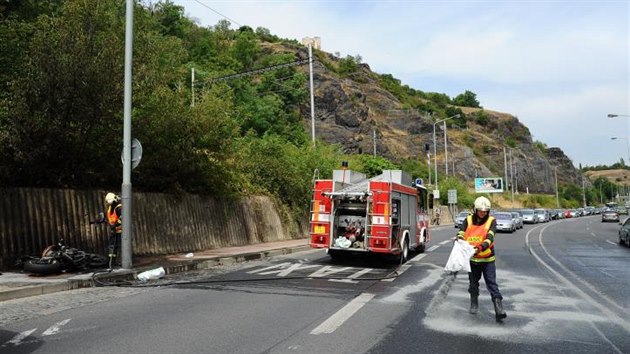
(113, 217)
(478, 230)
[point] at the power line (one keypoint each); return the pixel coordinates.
(258, 71)
(217, 12)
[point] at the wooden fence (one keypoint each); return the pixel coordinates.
(33, 218)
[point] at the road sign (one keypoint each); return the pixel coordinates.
(452, 196)
(136, 153)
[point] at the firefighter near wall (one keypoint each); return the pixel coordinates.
(386, 214)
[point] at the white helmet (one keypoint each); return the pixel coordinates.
(110, 198)
(482, 203)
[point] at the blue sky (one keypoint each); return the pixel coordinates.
(559, 66)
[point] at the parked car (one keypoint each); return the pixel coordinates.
(610, 215)
(556, 214)
(459, 219)
(518, 219)
(542, 214)
(624, 233)
(505, 222)
(529, 217)
(567, 214)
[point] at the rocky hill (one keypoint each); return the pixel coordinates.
(351, 110)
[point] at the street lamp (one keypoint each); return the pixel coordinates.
(435, 146)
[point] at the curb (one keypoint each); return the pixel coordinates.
(131, 275)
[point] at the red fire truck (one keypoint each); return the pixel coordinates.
(386, 214)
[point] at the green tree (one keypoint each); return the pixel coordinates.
(349, 64)
(61, 112)
(246, 48)
(467, 99)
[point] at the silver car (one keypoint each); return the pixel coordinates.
(505, 222)
(529, 216)
(459, 219)
(542, 214)
(518, 219)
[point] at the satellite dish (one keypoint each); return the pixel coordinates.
(136, 153)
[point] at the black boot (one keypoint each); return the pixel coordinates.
(498, 310)
(474, 304)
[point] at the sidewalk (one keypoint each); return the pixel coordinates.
(18, 285)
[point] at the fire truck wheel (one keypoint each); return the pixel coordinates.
(404, 252)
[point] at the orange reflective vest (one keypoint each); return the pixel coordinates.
(113, 219)
(476, 235)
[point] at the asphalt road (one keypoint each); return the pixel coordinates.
(566, 286)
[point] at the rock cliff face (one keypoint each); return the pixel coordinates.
(359, 115)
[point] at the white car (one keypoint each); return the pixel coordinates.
(529, 216)
(505, 222)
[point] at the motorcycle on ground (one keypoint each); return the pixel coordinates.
(59, 258)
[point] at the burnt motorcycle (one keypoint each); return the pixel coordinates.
(59, 258)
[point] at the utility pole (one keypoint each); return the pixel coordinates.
(429, 165)
(505, 164)
(127, 221)
(374, 134)
(310, 70)
(192, 87)
(445, 152)
(512, 177)
(583, 193)
(555, 171)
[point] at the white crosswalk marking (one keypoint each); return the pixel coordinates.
(328, 271)
(54, 329)
(353, 276)
(341, 316)
(17, 340)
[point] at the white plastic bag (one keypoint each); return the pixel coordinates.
(152, 274)
(342, 242)
(459, 259)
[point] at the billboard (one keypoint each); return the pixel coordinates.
(489, 185)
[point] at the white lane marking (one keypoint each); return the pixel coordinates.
(341, 316)
(54, 329)
(275, 266)
(592, 234)
(612, 243)
(610, 314)
(353, 276)
(402, 269)
(445, 242)
(17, 340)
(418, 257)
(328, 271)
(433, 248)
(282, 270)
